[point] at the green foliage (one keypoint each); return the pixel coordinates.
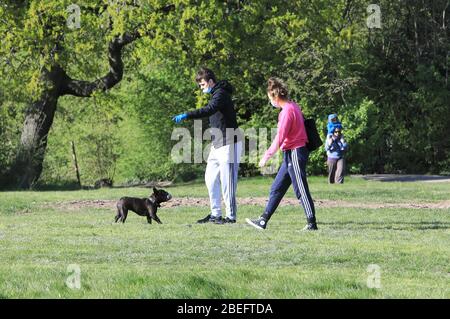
(157, 95)
(125, 135)
(361, 131)
(92, 126)
(10, 121)
(407, 78)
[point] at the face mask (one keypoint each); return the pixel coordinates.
(273, 104)
(207, 90)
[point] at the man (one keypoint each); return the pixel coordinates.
(223, 161)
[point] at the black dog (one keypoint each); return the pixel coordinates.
(142, 206)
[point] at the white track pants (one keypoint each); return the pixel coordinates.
(221, 177)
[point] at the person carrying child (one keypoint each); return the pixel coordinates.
(335, 146)
(333, 122)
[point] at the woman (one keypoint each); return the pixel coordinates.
(291, 138)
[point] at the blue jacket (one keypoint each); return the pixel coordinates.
(331, 126)
(337, 148)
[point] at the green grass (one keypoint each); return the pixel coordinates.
(355, 189)
(180, 259)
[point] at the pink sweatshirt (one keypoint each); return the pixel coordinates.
(291, 132)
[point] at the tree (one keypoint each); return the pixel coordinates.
(407, 78)
(37, 35)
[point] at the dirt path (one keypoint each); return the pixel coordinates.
(256, 201)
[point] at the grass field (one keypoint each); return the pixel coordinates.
(180, 259)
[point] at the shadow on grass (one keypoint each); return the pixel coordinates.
(392, 225)
(43, 188)
(76, 187)
(206, 287)
(348, 288)
(190, 287)
(405, 178)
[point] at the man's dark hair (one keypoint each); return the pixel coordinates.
(205, 74)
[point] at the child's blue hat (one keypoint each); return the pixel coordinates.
(332, 116)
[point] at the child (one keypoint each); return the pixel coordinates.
(333, 123)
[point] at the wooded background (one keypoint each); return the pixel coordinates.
(112, 84)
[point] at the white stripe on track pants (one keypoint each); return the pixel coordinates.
(221, 177)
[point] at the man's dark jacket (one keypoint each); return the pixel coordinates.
(220, 110)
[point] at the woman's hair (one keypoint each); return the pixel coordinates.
(205, 74)
(277, 88)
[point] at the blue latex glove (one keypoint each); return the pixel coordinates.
(178, 118)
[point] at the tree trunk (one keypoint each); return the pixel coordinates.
(38, 121)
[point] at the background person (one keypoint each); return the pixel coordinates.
(336, 147)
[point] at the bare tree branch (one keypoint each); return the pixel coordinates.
(85, 88)
(114, 76)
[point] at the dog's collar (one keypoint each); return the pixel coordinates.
(155, 203)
